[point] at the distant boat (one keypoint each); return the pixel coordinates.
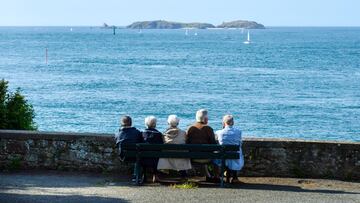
(140, 31)
(195, 33)
(71, 29)
(248, 38)
(186, 32)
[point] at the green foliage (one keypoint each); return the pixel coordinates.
(3, 95)
(187, 185)
(15, 111)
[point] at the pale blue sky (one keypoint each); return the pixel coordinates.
(123, 12)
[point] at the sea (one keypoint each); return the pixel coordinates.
(289, 82)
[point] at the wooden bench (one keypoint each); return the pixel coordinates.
(191, 151)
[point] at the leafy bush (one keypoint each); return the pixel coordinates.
(15, 111)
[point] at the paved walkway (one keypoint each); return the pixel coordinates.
(76, 187)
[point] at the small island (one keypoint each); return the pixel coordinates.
(162, 24)
(241, 24)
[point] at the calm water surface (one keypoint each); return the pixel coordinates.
(291, 82)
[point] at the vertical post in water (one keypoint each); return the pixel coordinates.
(46, 56)
(114, 30)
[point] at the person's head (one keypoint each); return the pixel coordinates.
(150, 122)
(228, 120)
(202, 116)
(173, 121)
(125, 121)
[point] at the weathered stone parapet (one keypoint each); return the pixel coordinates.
(97, 152)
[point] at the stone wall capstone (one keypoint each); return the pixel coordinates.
(97, 152)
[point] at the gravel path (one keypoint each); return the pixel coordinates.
(77, 187)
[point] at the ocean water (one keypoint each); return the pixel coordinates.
(290, 82)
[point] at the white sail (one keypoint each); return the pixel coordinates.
(248, 38)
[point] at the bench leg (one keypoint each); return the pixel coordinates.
(137, 171)
(222, 173)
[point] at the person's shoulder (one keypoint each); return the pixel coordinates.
(219, 131)
(237, 130)
(191, 127)
(134, 130)
(207, 127)
(158, 132)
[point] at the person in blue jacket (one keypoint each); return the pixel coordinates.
(231, 135)
(126, 135)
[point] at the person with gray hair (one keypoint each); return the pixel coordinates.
(230, 135)
(174, 135)
(127, 135)
(201, 133)
(152, 136)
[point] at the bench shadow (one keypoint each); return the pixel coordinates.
(257, 186)
(7, 197)
(285, 188)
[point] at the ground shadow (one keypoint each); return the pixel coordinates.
(256, 186)
(6, 197)
(286, 188)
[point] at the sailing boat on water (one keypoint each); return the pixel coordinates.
(186, 31)
(248, 38)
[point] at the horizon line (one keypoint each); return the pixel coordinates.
(126, 25)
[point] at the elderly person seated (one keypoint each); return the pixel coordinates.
(230, 135)
(201, 133)
(174, 135)
(126, 135)
(151, 136)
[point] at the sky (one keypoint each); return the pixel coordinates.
(124, 12)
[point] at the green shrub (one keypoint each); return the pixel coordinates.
(15, 111)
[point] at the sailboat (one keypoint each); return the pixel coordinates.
(186, 31)
(248, 38)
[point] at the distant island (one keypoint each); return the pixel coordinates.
(242, 24)
(162, 24)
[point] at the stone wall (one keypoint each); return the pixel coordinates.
(96, 152)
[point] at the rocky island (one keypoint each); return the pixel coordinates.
(162, 24)
(241, 24)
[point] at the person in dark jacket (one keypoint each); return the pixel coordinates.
(127, 134)
(201, 133)
(151, 136)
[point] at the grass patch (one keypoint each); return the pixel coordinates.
(187, 185)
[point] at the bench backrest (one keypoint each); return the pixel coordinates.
(194, 151)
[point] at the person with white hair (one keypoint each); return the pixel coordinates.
(230, 135)
(201, 133)
(152, 136)
(174, 135)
